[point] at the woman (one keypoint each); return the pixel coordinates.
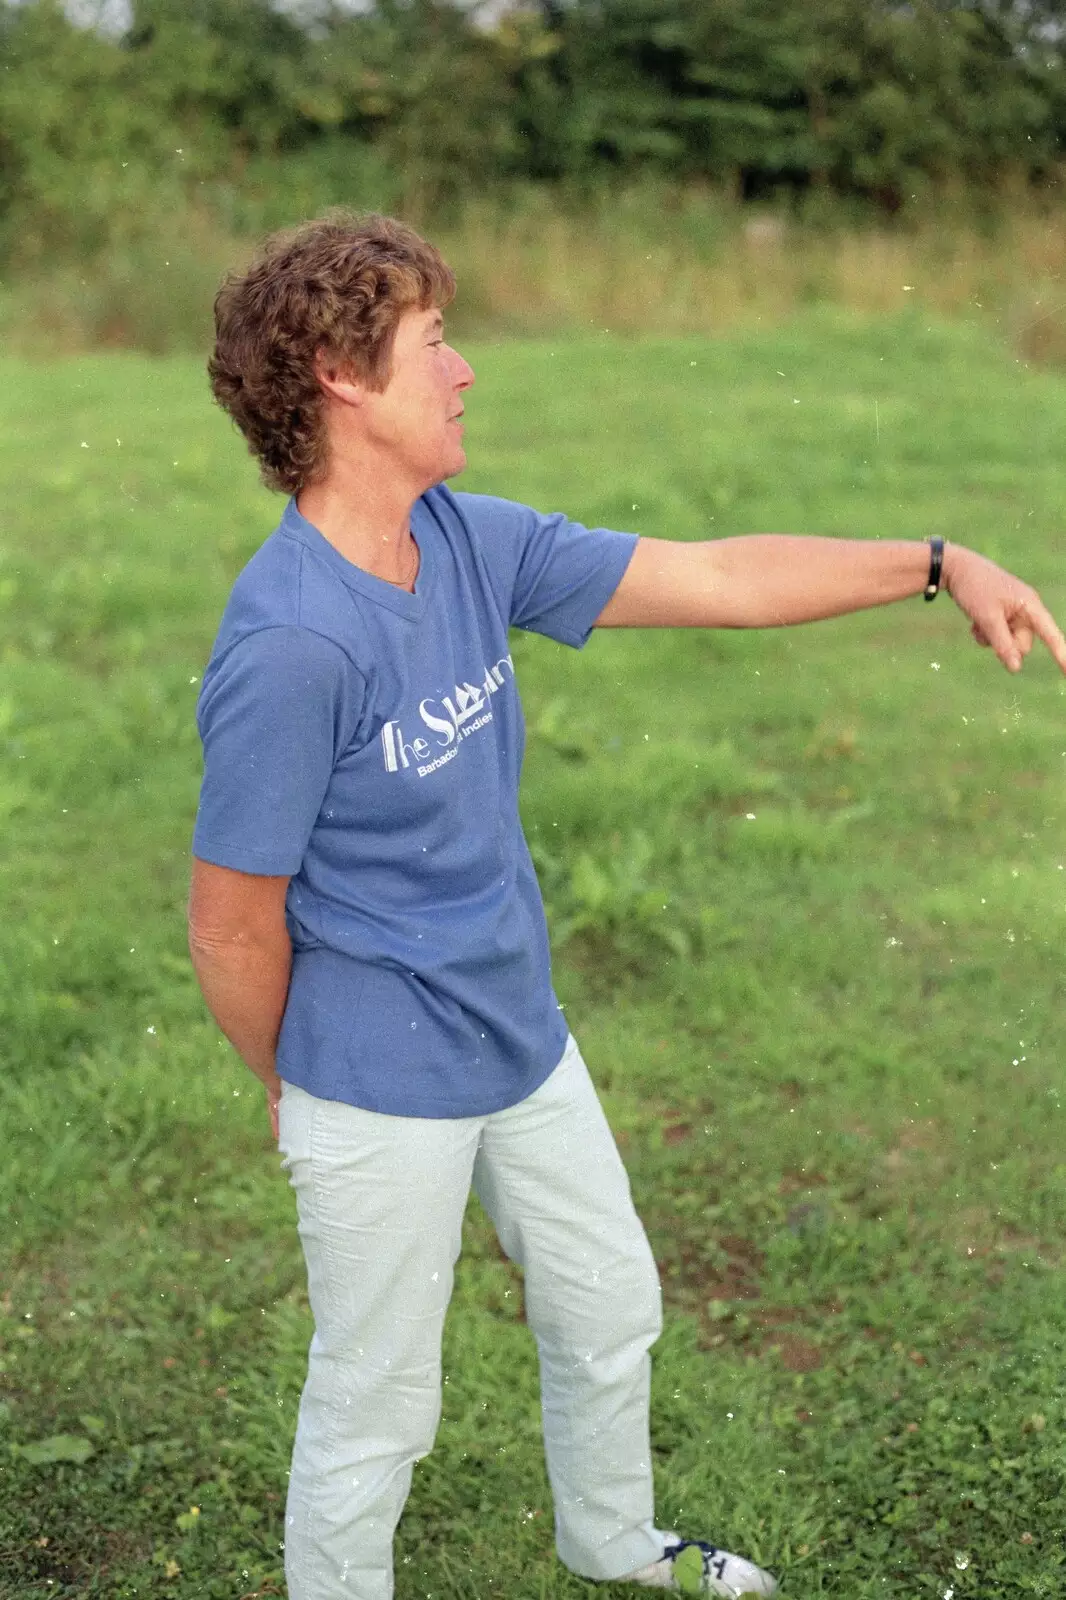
(365, 922)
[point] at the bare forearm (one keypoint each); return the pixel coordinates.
(246, 984)
(773, 580)
(763, 580)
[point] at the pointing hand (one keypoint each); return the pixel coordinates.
(1005, 613)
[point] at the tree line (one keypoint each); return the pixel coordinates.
(251, 111)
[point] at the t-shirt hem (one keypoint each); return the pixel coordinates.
(242, 859)
(384, 1105)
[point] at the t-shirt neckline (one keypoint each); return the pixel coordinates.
(295, 525)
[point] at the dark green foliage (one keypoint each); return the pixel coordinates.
(863, 98)
(249, 115)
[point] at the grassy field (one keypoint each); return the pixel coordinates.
(808, 893)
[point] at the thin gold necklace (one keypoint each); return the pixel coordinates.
(401, 583)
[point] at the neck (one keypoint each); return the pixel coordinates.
(367, 519)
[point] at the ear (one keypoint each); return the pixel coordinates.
(337, 380)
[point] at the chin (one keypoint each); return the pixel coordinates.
(449, 463)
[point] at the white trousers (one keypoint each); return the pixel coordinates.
(381, 1202)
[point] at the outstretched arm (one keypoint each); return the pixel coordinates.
(770, 580)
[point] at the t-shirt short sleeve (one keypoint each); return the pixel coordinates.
(554, 576)
(275, 713)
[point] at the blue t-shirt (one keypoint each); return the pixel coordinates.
(368, 741)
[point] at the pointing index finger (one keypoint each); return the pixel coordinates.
(1047, 628)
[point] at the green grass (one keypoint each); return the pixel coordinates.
(808, 891)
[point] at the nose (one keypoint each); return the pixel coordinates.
(462, 370)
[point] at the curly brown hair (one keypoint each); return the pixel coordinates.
(336, 286)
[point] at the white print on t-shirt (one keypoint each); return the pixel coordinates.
(452, 718)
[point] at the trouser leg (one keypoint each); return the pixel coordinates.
(549, 1174)
(380, 1202)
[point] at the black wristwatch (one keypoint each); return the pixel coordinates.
(936, 567)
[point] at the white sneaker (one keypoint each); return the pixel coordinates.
(707, 1570)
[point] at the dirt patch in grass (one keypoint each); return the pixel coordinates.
(676, 1132)
(796, 1354)
(707, 1281)
(914, 1137)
